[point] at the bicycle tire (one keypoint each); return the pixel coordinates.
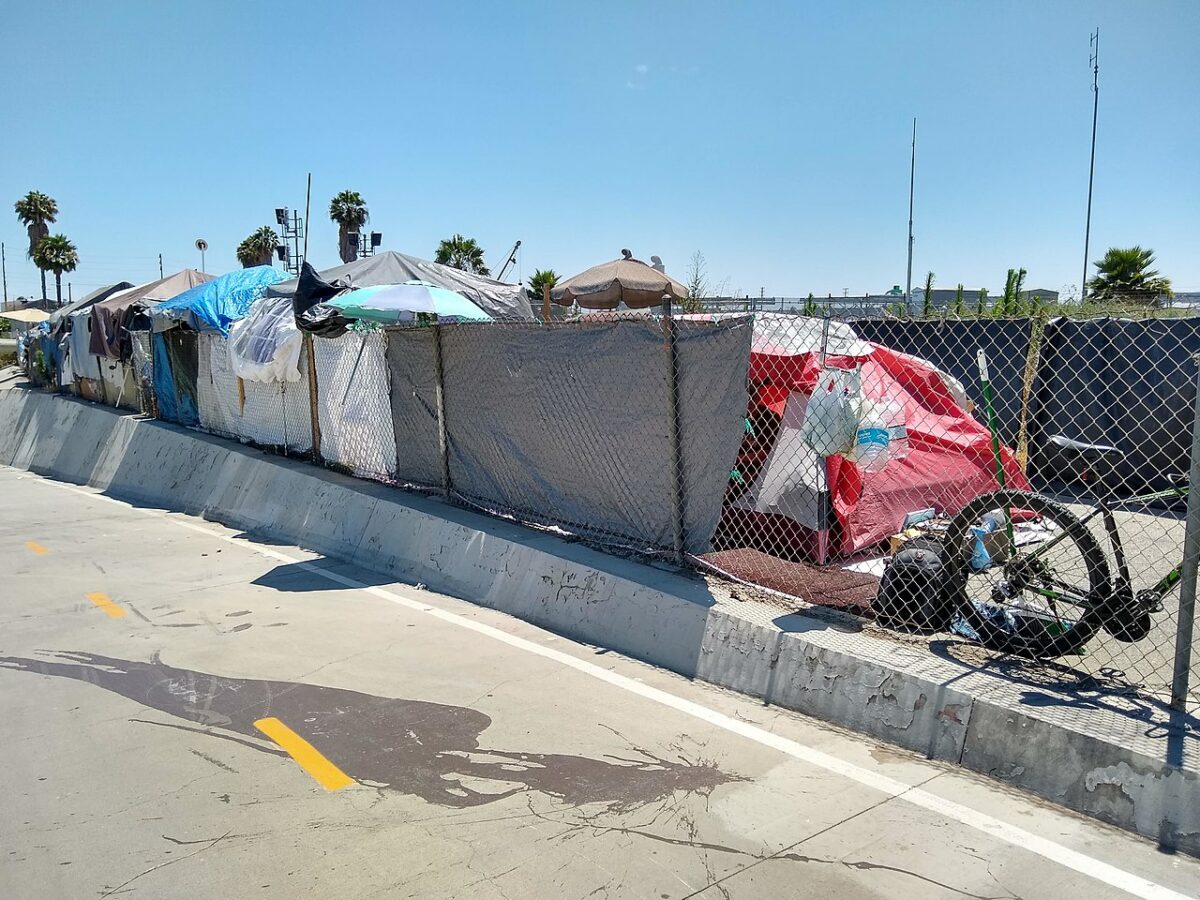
(1047, 645)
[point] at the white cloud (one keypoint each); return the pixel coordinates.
(641, 68)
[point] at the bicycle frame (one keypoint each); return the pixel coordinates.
(1122, 586)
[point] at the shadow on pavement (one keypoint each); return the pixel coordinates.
(429, 750)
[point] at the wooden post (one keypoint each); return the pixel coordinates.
(314, 416)
(546, 302)
(241, 397)
(1037, 334)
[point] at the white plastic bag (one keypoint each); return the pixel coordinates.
(832, 415)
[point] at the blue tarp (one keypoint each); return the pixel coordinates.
(216, 304)
(176, 399)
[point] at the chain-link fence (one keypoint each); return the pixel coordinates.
(843, 461)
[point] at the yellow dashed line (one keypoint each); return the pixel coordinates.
(35, 547)
(309, 757)
(102, 601)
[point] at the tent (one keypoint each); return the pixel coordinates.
(496, 298)
(60, 317)
(215, 304)
(176, 323)
(112, 317)
(786, 499)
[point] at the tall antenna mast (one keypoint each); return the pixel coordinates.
(912, 175)
(1094, 60)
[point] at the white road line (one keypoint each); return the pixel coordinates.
(949, 809)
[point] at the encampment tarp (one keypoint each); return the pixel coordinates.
(270, 414)
(59, 316)
(176, 359)
(216, 304)
(353, 391)
(111, 317)
(497, 298)
(571, 426)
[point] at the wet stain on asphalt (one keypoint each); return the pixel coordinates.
(428, 750)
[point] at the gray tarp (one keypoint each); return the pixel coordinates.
(496, 298)
(570, 425)
(411, 365)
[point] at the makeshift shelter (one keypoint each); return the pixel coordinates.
(788, 500)
(497, 298)
(60, 317)
(626, 281)
(215, 304)
(208, 308)
(112, 317)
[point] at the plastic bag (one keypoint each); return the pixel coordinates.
(833, 412)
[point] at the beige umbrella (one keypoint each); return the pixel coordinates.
(30, 316)
(626, 280)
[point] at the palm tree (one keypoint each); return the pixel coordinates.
(462, 253)
(927, 297)
(35, 210)
(1125, 274)
(258, 248)
(538, 281)
(59, 255)
(349, 211)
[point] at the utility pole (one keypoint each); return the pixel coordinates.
(1094, 59)
(70, 295)
(4, 274)
(160, 272)
(912, 176)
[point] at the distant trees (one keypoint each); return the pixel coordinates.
(1124, 275)
(258, 247)
(538, 282)
(35, 211)
(349, 212)
(462, 253)
(56, 254)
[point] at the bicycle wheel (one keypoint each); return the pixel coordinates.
(1042, 597)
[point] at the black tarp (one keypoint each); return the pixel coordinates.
(1128, 384)
(953, 345)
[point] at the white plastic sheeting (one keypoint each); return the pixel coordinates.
(265, 346)
(274, 414)
(354, 403)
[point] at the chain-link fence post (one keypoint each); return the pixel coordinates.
(670, 333)
(1191, 564)
(313, 409)
(440, 399)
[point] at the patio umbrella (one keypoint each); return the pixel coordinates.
(626, 280)
(389, 303)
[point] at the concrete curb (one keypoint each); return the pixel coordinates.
(895, 692)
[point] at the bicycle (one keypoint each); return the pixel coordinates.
(1045, 588)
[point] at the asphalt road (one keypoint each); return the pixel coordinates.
(188, 713)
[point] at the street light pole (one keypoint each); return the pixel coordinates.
(912, 175)
(1094, 59)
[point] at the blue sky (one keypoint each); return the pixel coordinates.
(772, 137)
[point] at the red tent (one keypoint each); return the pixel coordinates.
(789, 499)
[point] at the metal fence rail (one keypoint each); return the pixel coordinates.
(744, 445)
